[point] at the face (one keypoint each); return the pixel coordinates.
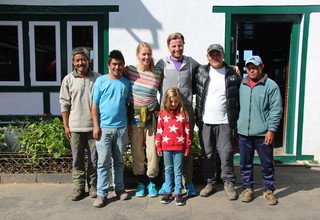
(144, 56)
(215, 59)
(116, 67)
(254, 72)
(176, 47)
(80, 63)
(174, 102)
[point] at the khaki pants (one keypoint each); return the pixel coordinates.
(142, 147)
(82, 143)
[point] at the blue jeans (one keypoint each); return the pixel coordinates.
(173, 167)
(247, 146)
(112, 144)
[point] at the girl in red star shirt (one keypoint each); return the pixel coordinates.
(173, 141)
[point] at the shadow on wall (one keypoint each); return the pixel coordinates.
(143, 20)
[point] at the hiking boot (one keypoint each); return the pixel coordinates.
(191, 191)
(229, 190)
(247, 195)
(207, 190)
(122, 195)
(140, 190)
(93, 192)
(100, 201)
(78, 194)
(166, 198)
(269, 197)
(179, 200)
(152, 190)
(162, 191)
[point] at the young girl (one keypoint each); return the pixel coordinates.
(173, 141)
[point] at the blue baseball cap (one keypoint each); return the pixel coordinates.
(255, 60)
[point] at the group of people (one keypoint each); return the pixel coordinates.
(102, 112)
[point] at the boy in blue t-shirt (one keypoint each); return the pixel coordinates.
(111, 101)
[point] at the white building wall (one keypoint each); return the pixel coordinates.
(152, 21)
(311, 125)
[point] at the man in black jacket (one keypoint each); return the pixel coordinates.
(217, 110)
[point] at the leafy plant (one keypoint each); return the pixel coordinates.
(46, 136)
(3, 144)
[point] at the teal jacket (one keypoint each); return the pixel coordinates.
(260, 107)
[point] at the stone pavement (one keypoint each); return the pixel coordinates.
(298, 191)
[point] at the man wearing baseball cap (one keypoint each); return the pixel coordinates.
(217, 109)
(259, 119)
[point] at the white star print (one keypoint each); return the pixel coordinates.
(165, 139)
(159, 130)
(181, 139)
(179, 118)
(166, 118)
(173, 129)
(157, 142)
(187, 130)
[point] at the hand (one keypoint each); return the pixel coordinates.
(268, 139)
(159, 153)
(67, 132)
(236, 68)
(96, 133)
(186, 152)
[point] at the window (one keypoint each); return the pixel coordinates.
(45, 59)
(11, 53)
(83, 34)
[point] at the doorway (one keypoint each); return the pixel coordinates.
(270, 37)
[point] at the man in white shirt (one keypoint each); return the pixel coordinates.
(217, 110)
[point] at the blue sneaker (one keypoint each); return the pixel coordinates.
(140, 190)
(152, 190)
(191, 191)
(162, 191)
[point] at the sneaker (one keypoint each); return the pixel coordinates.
(247, 195)
(152, 190)
(162, 191)
(140, 190)
(100, 201)
(78, 194)
(122, 195)
(93, 192)
(229, 190)
(191, 191)
(179, 200)
(166, 198)
(269, 197)
(207, 190)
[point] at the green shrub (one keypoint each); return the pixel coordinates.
(43, 137)
(3, 144)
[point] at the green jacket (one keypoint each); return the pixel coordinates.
(260, 107)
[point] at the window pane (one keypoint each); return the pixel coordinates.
(45, 48)
(9, 54)
(82, 36)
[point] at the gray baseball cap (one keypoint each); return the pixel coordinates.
(255, 60)
(217, 47)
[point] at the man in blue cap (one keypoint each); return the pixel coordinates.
(259, 119)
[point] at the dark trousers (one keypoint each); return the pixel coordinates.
(216, 139)
(247, 146)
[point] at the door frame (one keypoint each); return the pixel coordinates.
(298, 58)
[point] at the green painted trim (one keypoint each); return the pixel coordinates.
(227, 46)
(45, 10)
(292, 90)
(302, 81)
(278, 159)
(46, 102)
(63, 48)
(292, 9)
(105, 44)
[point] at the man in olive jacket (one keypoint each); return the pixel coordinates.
(217, 110)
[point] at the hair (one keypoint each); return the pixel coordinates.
(139, 47)
(81, 50)
(115, 54)
(175, 36)
(173, 92)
